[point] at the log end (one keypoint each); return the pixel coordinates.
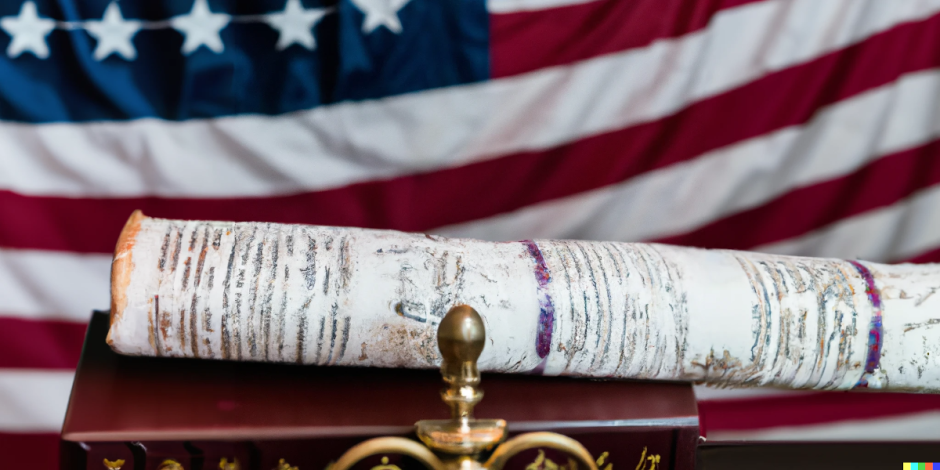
(122, 266)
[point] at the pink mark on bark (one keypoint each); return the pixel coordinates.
(543, 342)
(876, 329)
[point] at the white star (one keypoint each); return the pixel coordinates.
(201, 28)
(380, 13)
(294, 24)
(113, 33)
(29, 32)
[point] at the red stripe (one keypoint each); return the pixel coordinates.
(529, 40)
(932, 256)
(881, 183)
(425, 201)
(815, 408)
(40, 344)
(39, 451)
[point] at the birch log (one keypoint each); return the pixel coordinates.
(345, 296)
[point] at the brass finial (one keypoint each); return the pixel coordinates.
(461, 337)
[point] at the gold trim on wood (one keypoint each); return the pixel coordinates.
(388, 445)
(540, 440)
(282, 465)
(170, 464)
(224, 464)
(115, 465)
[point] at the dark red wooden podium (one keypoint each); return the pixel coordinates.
(145, 410)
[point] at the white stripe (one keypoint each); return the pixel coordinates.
(513, 6)
(684, 196)
(893, 233)
(33, 401)
(912, 427)
(53, 285)
(351, 142)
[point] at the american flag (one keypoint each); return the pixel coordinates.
(807, 127)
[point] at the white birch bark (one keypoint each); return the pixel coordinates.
(344, 296)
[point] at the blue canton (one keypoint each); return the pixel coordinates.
(97, 60)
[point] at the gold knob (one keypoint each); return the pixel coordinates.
(461, 337)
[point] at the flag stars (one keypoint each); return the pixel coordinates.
(201, 27)
(114, 34)
(29, 32)
(380, 13)
(295, 24)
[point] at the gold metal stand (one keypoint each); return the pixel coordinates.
(462, 442)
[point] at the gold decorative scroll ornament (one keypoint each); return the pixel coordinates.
(170, 464)
(282, 465)
(544, 463)
(114, 465)
(461, 442)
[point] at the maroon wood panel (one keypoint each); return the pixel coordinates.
(120, 398)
